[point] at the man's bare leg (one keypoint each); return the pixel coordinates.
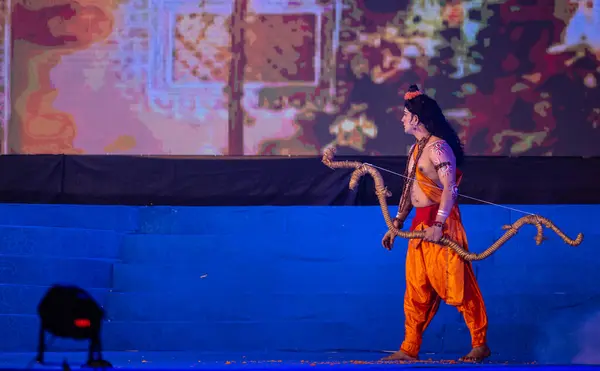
(477, 354)
(400, 356)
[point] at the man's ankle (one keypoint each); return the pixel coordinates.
(410, 349)
(410, 354)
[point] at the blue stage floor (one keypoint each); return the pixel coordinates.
(134, 360)
(180, 279)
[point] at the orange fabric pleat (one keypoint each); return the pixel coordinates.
(435, 273)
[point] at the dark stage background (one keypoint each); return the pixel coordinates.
(245, 181)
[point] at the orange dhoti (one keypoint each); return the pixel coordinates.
(434, 273)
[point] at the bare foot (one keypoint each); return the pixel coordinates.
(477, 354)
(399, 356)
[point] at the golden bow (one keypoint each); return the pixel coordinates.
(382, 192)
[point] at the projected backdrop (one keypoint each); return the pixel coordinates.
(290, 77)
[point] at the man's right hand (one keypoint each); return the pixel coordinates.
(388, 240)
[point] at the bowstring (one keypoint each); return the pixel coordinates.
(460, 194)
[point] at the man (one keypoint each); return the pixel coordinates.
(434, 272)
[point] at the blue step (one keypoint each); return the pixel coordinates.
(319, 277)
(478, 219)
(253, 336)
(60, 242)
(526, 343)
(225, 307)
(359, 245)
(265, 220)
(187, 306)
(203, 250)
(522, 250)
(556, 341)
(341, 264)
(239, 277)
(541, 279)
(273, 278)
(40, 271)
(24, 299)
(211, 220)
(112, 218)
(317, 221)
(564, 216)
(20, 334)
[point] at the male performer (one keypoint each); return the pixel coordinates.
(434, 272)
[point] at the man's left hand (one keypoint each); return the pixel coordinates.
(433, 234)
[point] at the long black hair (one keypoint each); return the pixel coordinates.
(431, 116)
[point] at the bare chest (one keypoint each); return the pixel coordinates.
(426, 167)
(417, 196)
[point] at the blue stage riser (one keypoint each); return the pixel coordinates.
(302, 335)
(54, 242)
(236, 279)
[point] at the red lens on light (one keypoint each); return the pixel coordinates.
(82, 322)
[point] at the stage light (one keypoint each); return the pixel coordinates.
(70, 312)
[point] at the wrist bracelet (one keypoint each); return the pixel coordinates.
(438, 224)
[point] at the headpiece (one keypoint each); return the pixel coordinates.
(412, 94)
